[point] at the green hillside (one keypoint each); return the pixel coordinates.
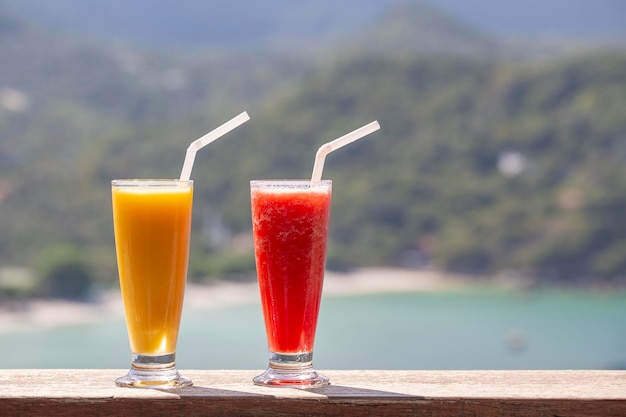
(481, 165)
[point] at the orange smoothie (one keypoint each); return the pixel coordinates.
(152, 230)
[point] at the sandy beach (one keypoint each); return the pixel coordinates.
(37, 314)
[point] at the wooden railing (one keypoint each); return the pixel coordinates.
(92, 392)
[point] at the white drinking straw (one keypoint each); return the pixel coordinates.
(213, 135)
(327, 148)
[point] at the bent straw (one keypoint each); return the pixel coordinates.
(213, 135)
(327, 148)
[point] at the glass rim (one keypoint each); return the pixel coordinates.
(290, 182)
(153, 182)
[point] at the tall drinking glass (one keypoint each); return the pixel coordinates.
(290, 221)
(152, 221)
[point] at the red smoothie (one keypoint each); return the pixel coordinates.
(290, 226)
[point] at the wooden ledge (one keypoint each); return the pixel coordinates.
(396, 393)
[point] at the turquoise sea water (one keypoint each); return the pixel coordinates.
(457, 330)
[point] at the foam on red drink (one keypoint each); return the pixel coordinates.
(290, 225)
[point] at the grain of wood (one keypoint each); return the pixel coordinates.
(92, 392)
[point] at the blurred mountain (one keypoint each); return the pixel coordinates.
(204, 23)
(241, 23)
(483, 164)
(423, 29)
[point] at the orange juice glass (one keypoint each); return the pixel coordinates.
(152, 222)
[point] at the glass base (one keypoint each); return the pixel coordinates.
(291, 371)
(149, 371)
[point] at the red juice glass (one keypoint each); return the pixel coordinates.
(290, 221)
